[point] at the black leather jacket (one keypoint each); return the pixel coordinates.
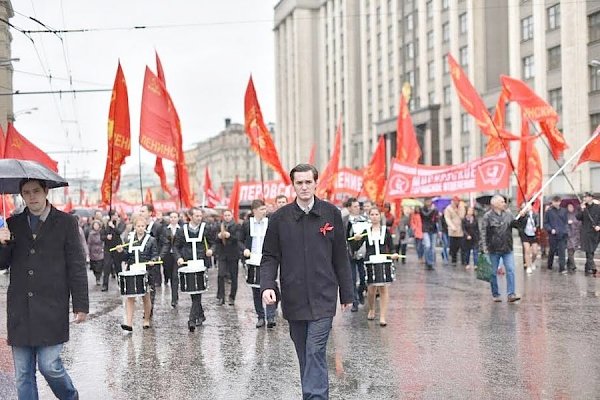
(496, 232)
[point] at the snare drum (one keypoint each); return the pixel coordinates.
(192, 278)
(253, 270)
(379, 273)
(133, 283)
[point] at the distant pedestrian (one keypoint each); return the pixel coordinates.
(454, 214)
(497, 242)
(573, 239)
(589, 215)
(96, 250)
(528, 224)
(470, 227)
(555, 223)
(416, 228)
(429, 218)
(305, 246)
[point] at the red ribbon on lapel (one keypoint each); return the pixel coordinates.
(326, 228)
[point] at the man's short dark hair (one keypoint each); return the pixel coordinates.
(304, 168)
(112, 212)
(23, 181)
(281, 196)
(556, 198)
(256, 203)
(350, 201)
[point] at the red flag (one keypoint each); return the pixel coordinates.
(2, 142)
(212, 199)
(311, 156)
(156, 130)
(17, 146)
(592, 150)
(501, 141)
(7, 205)
(260, 137)
(119, 137)
(325, 186)
(536, 109)
(407, 147)
(529, 170)
(469, 98)
(160, 131)
(69, 206)
(158, 165)
(374, 174)
(160, 171)
(234, 199)
(148, 197)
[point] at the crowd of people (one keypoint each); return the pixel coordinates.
(309, 253)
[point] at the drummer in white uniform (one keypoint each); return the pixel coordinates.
(253, 236)
(192, 243)
(379, 245)
(141, 248)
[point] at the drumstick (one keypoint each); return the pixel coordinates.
(361, 235)
(120, 246)
(152, 262)
(205, 244)
(389, 255)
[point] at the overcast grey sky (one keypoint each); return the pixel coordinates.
(208, 50)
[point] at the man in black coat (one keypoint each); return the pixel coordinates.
(47, 267)
(306, 241)
(111, 236)
(227, 249)
(556, 224)
(590, 230)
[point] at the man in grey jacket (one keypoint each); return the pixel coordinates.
(496, 242)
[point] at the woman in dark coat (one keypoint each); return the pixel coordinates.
(470, 226)
(372, 238)
(96, 250)
(148, 251)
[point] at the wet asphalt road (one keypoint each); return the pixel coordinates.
(445, 339)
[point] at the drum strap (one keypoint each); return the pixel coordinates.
(195, 240)
(141, 246)
(381, 238)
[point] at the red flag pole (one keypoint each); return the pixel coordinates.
(575, 154)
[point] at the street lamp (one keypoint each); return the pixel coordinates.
(5, 62)
(594, 63)
(24, 111)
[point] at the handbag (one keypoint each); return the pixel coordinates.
(484, 268)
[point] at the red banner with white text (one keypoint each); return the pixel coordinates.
(486, 173)
(254, 190)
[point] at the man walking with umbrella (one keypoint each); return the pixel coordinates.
(47, 265)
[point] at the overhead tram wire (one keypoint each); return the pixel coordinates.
(482, 6)
(18, 92)
(66, 60)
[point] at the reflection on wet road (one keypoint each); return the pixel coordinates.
(445, 339)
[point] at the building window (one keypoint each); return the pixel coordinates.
(448, 155)
(594, 121)
(445, 32)
(554, 58)
(527, 67)
(446, 68)
(447, 128)
(429, 9)
(527, 28)
(555, 99)
(594, 26)
(462, 23)
(464, 123)
(445, 4)
(553, 17)
(464, 57)
(410, 51)
(466, 152)
(410, 78)
(431, 98)
(430, 71)
(594, 78)
(447, 95)
(430, 40)
(410, 23)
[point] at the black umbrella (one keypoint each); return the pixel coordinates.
(13, 171)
